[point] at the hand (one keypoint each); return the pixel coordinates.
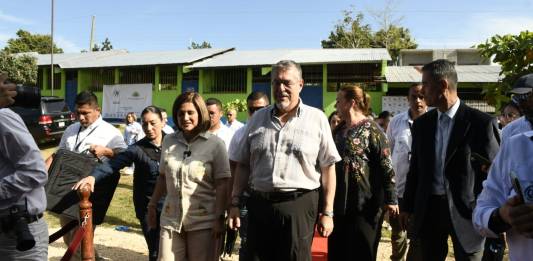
(393, 210)
(7, 92)
(405, 218)
(98, 150)
(87, 180)
(518, 215)
(234, 218)
(218, 227)
(152, 216)
(325, 225)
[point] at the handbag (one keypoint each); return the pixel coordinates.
(66, 170)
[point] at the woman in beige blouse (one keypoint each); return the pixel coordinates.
(194, 173)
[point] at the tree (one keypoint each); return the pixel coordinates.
(353, 32)
(106, 46)
(203, 45)
(28, 42)
(19, 68)
(515, 56)
(350, 32)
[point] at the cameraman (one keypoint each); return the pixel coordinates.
(22, 180)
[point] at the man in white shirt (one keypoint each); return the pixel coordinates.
(399, 135)
(233, 123)
(214, 107)
(166, 128)
(255, 102)
(522, 91)
(91, 134)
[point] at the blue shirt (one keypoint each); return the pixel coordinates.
(22, 169)
(513, 157)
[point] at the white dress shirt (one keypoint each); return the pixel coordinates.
(513, 157)
(399, 135)
(235, 125)
(225, 134)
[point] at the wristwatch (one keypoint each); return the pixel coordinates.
(327, 213)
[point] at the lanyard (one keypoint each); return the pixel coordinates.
(81, 141)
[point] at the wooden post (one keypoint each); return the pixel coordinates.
(86, 219)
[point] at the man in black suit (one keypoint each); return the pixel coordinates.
(452, 146)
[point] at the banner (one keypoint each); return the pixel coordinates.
(120, 99)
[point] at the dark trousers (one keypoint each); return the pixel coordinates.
(243, 230)
(437, 227)
(281, 230)
(354, 237)
(151, 236)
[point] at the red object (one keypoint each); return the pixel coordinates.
(319, 248)
(74, 244)
(45, 119)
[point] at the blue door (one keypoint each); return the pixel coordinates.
(190, 85)
(71, 90)
(263, 87)
(312, 96)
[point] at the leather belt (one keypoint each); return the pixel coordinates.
(29, 218)
(280, 196)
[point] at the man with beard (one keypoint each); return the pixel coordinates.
(277, 158)
(522, 90)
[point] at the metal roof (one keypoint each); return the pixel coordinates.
(302, 56)
(116, 58)
(465, 73)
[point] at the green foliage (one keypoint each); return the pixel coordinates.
(350, 32)
(353, 32)
(203, 45)
(19, 68)
(514, 53)
(28, 42)
(394, 38)
(237, 104)
(106, 46)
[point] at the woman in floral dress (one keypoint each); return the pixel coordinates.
(365, 180)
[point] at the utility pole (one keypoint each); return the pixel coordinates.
(92, 34)
(52, 51)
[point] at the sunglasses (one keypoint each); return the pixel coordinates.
(254, 109)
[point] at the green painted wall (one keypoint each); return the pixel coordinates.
(375, 101)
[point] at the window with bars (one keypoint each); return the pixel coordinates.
(100, 77)
(368, 75)
(227, 80)
(258, 77)
(312, 75)
(168, 77)
(137, 74)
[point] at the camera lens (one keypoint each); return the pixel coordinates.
(28, 97)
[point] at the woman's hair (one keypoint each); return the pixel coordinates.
(512, 105)
(153, 109)
(203, 115)
(331, 115)
(132, 115)
(361, 98)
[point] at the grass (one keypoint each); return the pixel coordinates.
(121, 211)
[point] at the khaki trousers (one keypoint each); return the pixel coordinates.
(196, 245)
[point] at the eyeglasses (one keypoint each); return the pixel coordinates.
(286, 83)
(254, 109)
(510, 115)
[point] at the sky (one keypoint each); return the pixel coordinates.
(163, 25)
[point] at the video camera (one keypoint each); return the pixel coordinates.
(27, 97)
(16, 218)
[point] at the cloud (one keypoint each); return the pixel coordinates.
(67, 45)
(13, 19)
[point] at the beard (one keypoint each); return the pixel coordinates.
(283, 105)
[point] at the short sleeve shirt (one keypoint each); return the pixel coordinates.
(191, 169)
(78, 139)
(285, 157)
